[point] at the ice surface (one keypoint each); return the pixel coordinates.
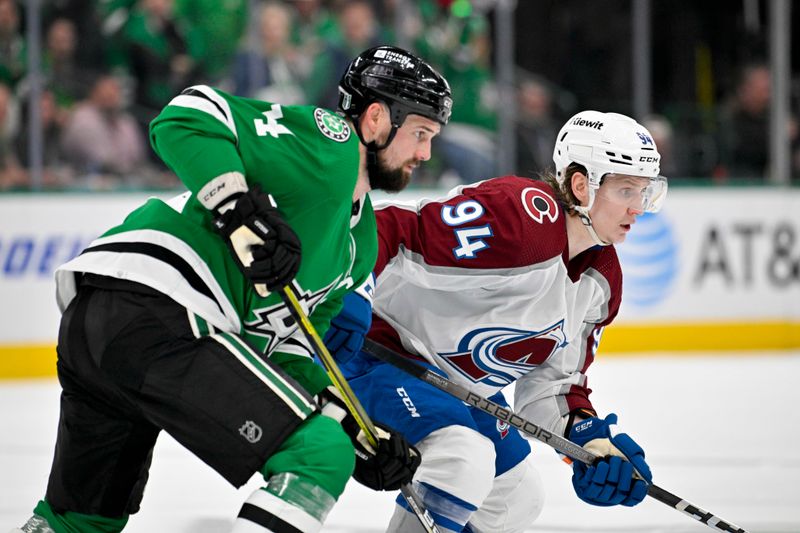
(720, 430)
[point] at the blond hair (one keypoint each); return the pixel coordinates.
(563, 189)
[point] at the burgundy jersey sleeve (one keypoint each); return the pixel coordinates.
(505, 222)
(603, 264)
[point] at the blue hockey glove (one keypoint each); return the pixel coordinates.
(612, 479)
(345, 337)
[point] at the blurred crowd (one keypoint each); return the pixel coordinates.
(109, 66)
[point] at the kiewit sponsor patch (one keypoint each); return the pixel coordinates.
(588, 123)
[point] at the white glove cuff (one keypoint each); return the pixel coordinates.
(216, 192)
(332, 410)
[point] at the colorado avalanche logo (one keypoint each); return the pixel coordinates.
(539, 205)
(498, 356)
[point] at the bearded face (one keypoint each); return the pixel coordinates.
(389, 178)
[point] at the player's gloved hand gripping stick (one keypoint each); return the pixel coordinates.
(264, 245)
(559, 443)
(622, 477)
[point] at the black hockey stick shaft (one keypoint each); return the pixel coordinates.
(353, 405)
(559, 443)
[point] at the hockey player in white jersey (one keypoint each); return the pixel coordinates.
(508, 280)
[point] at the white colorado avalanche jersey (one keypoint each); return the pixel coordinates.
(478, 283)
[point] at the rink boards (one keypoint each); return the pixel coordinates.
(716, 270)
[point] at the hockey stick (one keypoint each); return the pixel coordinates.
(353, 405)
(558, 442)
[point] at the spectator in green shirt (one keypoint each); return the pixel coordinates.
(152, 47)
(215, 32)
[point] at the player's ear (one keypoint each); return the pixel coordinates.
(372, 119)
(580, 187)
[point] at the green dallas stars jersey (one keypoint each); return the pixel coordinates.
(307, 158)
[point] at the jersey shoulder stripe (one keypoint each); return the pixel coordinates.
(204, 98)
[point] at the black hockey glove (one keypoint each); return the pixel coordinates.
(390, 466)
(265, 247)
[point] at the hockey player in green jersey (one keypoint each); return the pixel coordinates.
(171, 321)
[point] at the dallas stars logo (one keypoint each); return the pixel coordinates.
(275, 323)
(332, 126)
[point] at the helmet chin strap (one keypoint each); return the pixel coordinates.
(372, 159)
(583, 214)
(373, 148)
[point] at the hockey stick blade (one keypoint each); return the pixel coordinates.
(355, 408)
(557, 442)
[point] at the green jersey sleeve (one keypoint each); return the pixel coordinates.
(308, 159)
(310, 375)
(196, 136)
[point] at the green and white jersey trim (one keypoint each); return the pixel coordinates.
(200, 328)
(177, 203)
(158, 260)
(297, 399)
(204, 98)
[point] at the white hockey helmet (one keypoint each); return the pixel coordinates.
(610, 143)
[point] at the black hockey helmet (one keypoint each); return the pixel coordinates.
(403, 81)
